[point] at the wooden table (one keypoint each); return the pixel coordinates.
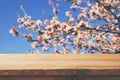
(59, 67)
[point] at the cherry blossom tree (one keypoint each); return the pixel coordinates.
(94, 29)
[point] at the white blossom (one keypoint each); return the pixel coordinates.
(35, 44)
(38, 22)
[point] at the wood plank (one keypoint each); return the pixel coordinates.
(63, 61)
(59, 67)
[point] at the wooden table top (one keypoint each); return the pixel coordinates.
(59, 61)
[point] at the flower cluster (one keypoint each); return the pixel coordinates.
(95, 29)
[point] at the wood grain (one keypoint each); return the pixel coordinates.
(61, 61)
(59, 67)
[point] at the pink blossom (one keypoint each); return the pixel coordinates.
(46, 22)
(38, 22)
(20, 20)
(82, 24)
(58, 52)
(55, 10)
(14, 32)
(27, 17)
(35, 44)
(39, 38)
(81, 16)
(44, 48)
(28, 37)
(68, 13)
(74, 6)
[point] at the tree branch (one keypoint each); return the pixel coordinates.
(107, 8)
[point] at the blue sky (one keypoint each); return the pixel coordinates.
(8, 10)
